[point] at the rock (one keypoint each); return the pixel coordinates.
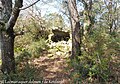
(59, 35)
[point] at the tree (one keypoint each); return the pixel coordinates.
(75, 27)
(88, 17)
(8, 19)
(55, 20)
(112, 14)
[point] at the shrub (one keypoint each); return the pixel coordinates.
(37, 47)
(98, 49)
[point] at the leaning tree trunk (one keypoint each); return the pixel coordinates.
(8, 19)
(75, 27)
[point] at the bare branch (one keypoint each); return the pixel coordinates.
(29, 5)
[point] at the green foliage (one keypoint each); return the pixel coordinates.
(33, 42)
(55, 20)
(25, 73)
(98, 50)
(23, 56)
(33, 49)
(37, 47)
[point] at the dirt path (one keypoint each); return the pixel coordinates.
(53, 68)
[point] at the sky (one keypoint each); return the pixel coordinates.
(44, 6)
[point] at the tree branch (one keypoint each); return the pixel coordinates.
(15, 13)
(29, 5)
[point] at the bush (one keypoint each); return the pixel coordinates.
(25, 73)
(37, 47)
(23, 56)
(98, 49)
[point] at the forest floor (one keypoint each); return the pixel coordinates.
(53, 68)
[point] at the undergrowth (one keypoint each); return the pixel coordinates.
(94, 65)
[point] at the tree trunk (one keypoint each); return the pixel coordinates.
(75, 27)
(7, 52)
(7, 39)
(8, 17)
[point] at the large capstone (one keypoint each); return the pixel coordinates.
(59, 35)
